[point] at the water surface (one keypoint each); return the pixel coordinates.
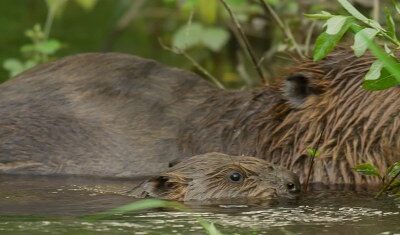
(57, 205)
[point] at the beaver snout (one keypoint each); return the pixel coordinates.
(215, 178)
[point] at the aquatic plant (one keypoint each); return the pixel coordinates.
(147, 204)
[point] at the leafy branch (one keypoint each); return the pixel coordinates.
(389, 180)
(384, 72)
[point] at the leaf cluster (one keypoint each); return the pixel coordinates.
(368, 33)
(38, 51)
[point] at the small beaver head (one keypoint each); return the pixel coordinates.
(217, 177)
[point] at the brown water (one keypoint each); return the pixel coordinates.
(54, 205)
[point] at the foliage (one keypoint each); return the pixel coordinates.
(41, 48)
(36, 52)
(384, 72)
(390, 181)
(311, 152)
(98, 28)
(58, 6)
(194, 34)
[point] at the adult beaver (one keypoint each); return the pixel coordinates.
(118, 115)
(219, 178)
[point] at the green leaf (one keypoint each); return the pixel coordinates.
(325, 42)
(236, 3)
(36, 33)
(352, 10)
(360, 40)
(189, 5)
(374, 71)
(324, 15)
(215, 38)
(311, 152)
(394, 169)
(385, 81)
(29, 48)
(394, 185)
(207, 10)
(13, 66)
(390, 63)
(86, 4)
(358, 15)
(209, 227)
(390, 24)
(145, 205)
(48, 47)
(356, 27)
(188, 36)
(367, 169)
(335, 24)
(30, 64)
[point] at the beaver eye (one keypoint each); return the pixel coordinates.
(292, 188)
(236, 176)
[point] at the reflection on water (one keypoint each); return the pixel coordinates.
(55, 206)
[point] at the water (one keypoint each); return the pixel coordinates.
(55, 205)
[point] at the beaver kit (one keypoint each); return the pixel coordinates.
(123, 116)
(219, 178)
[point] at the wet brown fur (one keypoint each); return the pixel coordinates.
(358, 126)
(118, 115)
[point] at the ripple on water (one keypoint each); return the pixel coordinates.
(328, 213)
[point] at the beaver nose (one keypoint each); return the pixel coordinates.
(292, 187)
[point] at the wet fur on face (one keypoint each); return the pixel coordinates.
(217, 177)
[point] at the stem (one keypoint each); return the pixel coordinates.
(194, 62)
(248, 47)
(308, 38)
(123, 23)
(50, 16)
(375, 13)
(49, 22)
(312, 160)
(309, 173)
(286, 30)
(386, 186)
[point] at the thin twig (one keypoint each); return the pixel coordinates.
(312, 159)
(309, 36)
(375, 14)
(123, 23)
(248, 47)
(194, 62)
(286, 30)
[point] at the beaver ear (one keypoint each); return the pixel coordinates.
(158, 186)
(174, 162)
(296, 89)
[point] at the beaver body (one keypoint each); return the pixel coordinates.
(214, 178)
(95, 114)
(118, 115)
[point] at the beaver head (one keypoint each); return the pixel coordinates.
(314, 105)
(217, 177)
